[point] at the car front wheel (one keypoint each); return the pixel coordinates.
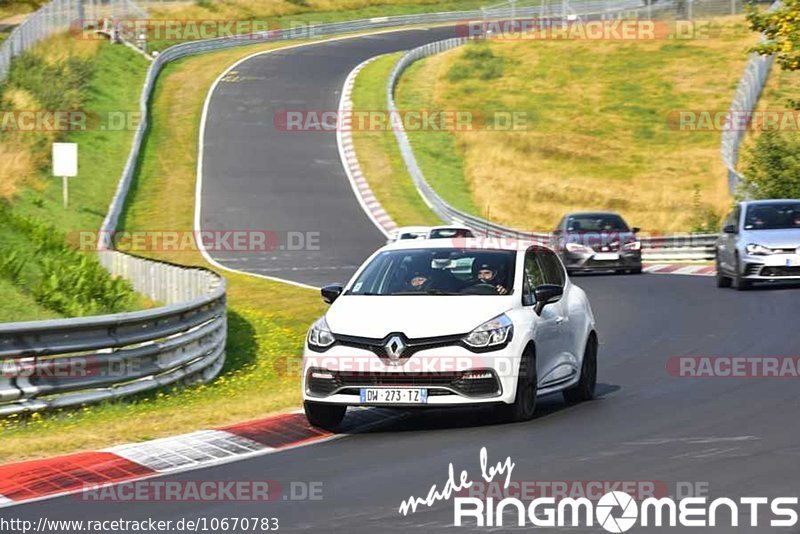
(524, 406)
(324, 416)
(740, 282)
(584, 389)
(722, 280)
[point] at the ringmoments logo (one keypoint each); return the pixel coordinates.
(615, 511)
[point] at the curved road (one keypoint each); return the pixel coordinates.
(737, 435)
(259, 177)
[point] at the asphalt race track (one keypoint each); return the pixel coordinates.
(260, 178)
(739, 436)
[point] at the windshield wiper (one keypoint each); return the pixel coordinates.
(426, 292)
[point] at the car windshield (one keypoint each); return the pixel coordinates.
(437, 272)
(596, 222)
(773, 216)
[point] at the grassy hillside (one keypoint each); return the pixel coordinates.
(598, 132)
(41, 275)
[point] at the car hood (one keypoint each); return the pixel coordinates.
(788, 238)
(415, 316)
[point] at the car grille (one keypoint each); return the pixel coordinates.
(780, 271)
(348, 383)
(751, 269)
(378, 346)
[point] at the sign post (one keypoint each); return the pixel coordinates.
(65, 165)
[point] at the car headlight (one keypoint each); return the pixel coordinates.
(577, 247)
(755, 249)
(633, 245)
(320, 334)
(494, 332)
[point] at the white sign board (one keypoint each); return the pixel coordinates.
(65, 159)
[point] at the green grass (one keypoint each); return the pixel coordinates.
(598, 133)
(101, 157)
(17, 305)
(437, 152)
(115, 87)
(379, 155)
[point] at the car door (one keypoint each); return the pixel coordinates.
(548, 332)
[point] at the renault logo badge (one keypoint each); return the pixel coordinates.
(395, 347)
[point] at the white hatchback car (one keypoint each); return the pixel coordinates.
(446, 322)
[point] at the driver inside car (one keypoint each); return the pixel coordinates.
(489, 274)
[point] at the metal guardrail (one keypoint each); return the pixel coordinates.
(686, 247)
(744, 102)
(59, 16)
(70, 362)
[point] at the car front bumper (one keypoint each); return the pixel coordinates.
(590, 261)
(774, 267)
(452, 375)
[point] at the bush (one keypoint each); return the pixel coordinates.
(772, 167)
(61, 279)
(706, 220)
(478, 62)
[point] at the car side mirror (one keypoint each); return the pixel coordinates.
(636, 229)
(528, 299)
(331, 292)
(547, 294)
(729, 229)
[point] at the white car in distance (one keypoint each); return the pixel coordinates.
(441, 322)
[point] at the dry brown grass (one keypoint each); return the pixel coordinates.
(599, 138)
(19, 157)
(16, 169)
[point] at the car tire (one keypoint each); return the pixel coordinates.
(739, 282)
(524, 406)
(637, 270)
(722, 280)
(585, 388)
(324, 416)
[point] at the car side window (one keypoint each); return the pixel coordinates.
(551, 268)
(533, 270)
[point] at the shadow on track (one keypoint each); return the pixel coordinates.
(410, 420)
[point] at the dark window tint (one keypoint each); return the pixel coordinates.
(596, 222)
(533, 270)
(551, 267)
(772, 216)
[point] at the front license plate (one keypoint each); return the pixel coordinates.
(394, 396)
(606, 256)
